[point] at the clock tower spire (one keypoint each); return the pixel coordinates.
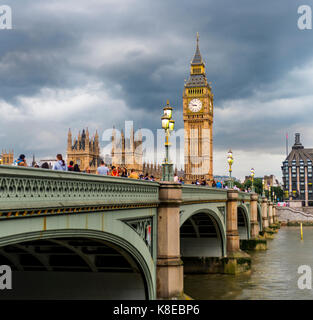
(198, 122)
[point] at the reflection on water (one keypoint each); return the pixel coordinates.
(274, 272)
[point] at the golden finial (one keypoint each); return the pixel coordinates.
(167, 102)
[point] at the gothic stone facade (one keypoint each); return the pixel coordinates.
(84, 151)
(7, 157)
(127, 152)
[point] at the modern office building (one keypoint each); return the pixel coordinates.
(297, 174)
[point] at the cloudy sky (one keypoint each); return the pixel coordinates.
(78, 63)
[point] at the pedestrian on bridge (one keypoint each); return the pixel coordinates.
(76, 168)
(103, 169)
(60, 165)
(71, 166)
(133, 174)
(124, 173)
(219, 185)
(21, 161)
(114, 172)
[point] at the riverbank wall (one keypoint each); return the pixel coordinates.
(292, 217)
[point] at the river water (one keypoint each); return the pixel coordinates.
(274, 273)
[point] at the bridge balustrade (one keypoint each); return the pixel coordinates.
(23, 190)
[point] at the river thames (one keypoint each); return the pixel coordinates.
(274, 273)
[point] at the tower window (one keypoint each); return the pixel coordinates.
(196, 70)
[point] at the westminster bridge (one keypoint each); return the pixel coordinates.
(74, 235)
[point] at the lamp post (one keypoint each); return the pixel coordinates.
(168, 125)
(230, 161)
(252, 176)
(269, 193)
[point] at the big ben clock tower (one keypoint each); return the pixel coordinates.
(198, 122)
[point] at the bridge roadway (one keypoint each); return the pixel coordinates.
(74, 235)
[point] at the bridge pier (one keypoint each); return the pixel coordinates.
(237, 261)
(169, 264)
(272, 228)
(264, 207)
(275, 225)
(255, 242)
(270, 213)
(254, 215)
(267, 232)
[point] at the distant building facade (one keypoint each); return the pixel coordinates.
(127, 152)
(84, 151)
(297, 173)
(271, 181)
(7, 158)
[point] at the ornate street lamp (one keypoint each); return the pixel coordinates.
(168, 124)
(230, 161)
(252, 176)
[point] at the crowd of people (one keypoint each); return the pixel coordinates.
(113, 171)
(103, 169)
(219, 185)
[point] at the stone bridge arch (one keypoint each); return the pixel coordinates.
(109, 249)
(243, 221)
(202, 233)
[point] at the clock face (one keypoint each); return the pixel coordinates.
(195, 105)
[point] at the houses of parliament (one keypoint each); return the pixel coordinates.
(127, 151)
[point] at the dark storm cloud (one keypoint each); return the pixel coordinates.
(139, 51)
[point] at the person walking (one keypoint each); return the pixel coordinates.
(60, 165)
(45, 165)
(71, 166)
(76, 168)
(218, 184)
(114, 172)
(103, 169)
(133, 174)
(124, 173)
(21, 161)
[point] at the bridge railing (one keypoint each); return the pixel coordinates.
(244, 196)
(28, 188)
(192, 193)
